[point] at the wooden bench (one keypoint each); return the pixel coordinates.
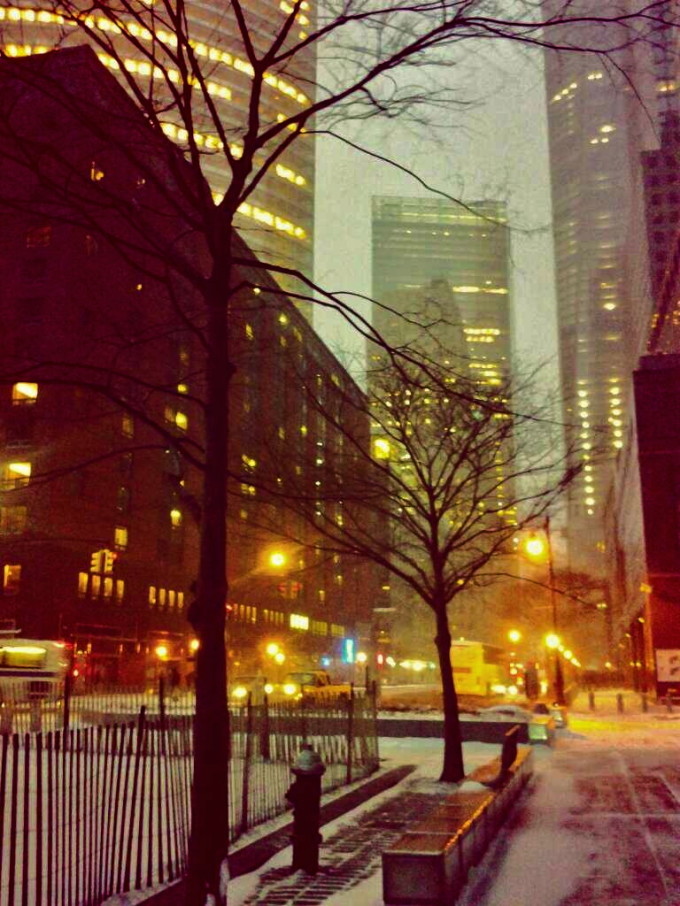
(429, 864)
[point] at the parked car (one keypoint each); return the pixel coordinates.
(256, 686)
(506, 712)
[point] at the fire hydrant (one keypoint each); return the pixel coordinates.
(305, 796)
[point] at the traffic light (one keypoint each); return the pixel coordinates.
(96, 562)
(109, 559)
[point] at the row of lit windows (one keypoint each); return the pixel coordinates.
(202, 50)
(96, 587)
(248, 613)
(165, 598)
(212, 143)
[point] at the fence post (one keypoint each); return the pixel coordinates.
(350, 732)
(265, 751)
(591, 701)
(67, 701)
(35, 712)
(245, 790)
(669, 703)
(619, 702)
(645, 705)
(161, 698)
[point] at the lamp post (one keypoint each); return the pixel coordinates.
(537, 548)
(559, 676)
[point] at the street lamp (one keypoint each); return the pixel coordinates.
(514, 636)
(538, 548)
(277, 559)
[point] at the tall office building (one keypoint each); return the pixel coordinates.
(277, 220)
(431, 250)
(598, 128)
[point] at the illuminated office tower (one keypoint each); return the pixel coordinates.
(432, 248)
(597, 129)
(277, 221)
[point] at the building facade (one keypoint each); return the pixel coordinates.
(598, 127)
(277, 220)
(431, 250)
(657, 395)
(101, 390)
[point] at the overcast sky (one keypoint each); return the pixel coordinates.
(496, 148)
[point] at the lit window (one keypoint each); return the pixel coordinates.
(96, 173)
(175, 518)
(83, 580)
(298, 621)
(96, 585)
(11, 578)
(24, 393)
(250, 333)
(39, 237)
(12, 520)
(16, 474)
(181, 421)
(171, 599)
(120, 589)
(180, 600)
(108, 587)
(153, 598)
(120, 538)
(127, 425)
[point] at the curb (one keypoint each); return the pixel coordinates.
(253, 855)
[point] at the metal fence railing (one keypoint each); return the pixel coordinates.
(88, 813)
(96, 804)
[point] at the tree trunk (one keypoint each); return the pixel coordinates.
(210, 815)
(453, 768)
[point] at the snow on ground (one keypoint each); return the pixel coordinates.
(576, 836)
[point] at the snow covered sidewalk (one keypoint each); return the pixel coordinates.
(599, 826)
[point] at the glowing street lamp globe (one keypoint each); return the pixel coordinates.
(552, 640)
(535, 547)
(514, 636)
(277, 559)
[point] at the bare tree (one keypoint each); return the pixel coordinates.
(166, 65)
(454, 473)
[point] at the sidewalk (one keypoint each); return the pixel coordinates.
(599, 826)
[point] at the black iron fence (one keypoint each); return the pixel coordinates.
(100, 804)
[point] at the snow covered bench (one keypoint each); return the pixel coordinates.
(429, 864)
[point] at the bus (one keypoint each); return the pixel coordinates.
(32, 668)
(479, 669)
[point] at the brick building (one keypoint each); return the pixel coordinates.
(101, 389)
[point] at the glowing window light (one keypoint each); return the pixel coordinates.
(24, 392)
